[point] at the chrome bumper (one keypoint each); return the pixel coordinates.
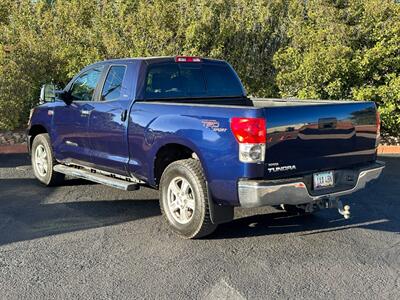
(256, 193)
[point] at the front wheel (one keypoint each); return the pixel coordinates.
(184, 199)
(43, 161)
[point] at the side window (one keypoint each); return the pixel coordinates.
(163, 81)
(112, 85)
(83, 87)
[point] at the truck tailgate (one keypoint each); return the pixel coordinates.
(310, 138)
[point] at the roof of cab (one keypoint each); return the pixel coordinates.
(146, 60)
(153, 59)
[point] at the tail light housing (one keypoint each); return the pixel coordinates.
(251, 134)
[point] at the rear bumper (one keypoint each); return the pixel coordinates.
(256, 193)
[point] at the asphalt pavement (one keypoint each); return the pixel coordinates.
(87, 241)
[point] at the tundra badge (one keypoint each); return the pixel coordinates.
(275, 169)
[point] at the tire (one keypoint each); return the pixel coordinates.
(43, 161)
(184, 199)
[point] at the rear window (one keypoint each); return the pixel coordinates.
(191, 80)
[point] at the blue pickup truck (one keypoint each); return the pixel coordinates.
(185, 126)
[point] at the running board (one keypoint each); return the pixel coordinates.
(96, 177)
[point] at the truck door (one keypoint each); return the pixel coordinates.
(70, 123)
(108, 121)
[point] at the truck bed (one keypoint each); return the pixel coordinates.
(311, 135)
(272, 102)
(317, 135)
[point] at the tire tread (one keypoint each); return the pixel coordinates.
(55, 178)
(194, 166)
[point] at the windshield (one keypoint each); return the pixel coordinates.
(192, 80)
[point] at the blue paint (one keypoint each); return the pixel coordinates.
(129, 147)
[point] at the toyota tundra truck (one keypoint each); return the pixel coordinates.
(185, 126)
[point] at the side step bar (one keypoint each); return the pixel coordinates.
(96, 177)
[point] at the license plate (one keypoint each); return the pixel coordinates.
(323, 180)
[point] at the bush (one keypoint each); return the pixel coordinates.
(330, 49)
(43, 41)
(344, 49)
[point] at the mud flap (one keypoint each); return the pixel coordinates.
(218, 213)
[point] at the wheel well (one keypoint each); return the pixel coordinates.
(168, 154)
(34, 131)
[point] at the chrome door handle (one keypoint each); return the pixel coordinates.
(85, 112)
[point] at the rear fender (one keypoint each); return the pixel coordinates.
(218, 213)
(174, 140)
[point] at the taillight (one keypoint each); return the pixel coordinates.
(188, 59)
(251, 134)
(249, 130)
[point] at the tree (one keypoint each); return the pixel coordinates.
(344, 49)
(333, 49)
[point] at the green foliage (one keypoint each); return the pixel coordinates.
(316, 48)
(344, 49)
(43, 41)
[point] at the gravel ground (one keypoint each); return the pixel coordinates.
(87, 241)
(387, 139)
(12, 137)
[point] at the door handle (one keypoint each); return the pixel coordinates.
(124, 115)
(85, 112)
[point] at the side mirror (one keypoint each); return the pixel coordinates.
(51, 93)
(47, 93)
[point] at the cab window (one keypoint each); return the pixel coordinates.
(84, 86)
(113, 83)
(191, 80)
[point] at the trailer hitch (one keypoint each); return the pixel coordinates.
(344, 210)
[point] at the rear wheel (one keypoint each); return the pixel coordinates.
(43, 161)
(184, 199)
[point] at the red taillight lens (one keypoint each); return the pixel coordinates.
(187, 59)
(249, 130)
(378, 123)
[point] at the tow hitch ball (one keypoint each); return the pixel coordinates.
(344, 210)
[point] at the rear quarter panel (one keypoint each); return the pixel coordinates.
(204, 129)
